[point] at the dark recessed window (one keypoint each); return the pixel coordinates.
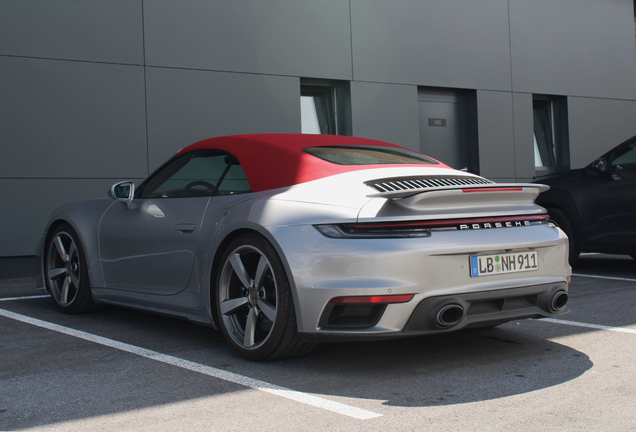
(367, 155)
(551, 143)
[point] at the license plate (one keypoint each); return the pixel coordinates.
(485, 265)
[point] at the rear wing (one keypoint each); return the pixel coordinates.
(449, 198)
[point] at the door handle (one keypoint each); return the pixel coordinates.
(185, 227)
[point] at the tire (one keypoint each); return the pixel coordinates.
(66, 272)
(560, 219)
(254, 302)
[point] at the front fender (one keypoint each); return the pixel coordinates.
(84, 216)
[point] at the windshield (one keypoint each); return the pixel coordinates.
(367, 155)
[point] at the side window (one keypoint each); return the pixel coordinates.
(200, 173)
(625, 158)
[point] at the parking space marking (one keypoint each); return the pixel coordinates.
(297, 396)
(593, 326)
(24, 298)
(604, 277)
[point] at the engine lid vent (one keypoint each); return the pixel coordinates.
(399, 184)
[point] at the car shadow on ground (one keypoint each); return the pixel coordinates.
(455, 368)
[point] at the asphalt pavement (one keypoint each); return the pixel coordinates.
(130, 370)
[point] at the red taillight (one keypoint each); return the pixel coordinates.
(383, 299)
(494, 189)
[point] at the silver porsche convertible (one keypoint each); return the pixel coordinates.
(281, 241)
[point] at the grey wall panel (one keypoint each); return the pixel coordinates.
(581, 48)
(31, 202)
(91, 30)
(386, 112)
(460, 44)
(496, 136)
(523, 136)
(185, 106)
(71, 119)
(284, 37)
(598, 125)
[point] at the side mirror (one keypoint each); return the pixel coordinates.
(600, 164)
(123, 192)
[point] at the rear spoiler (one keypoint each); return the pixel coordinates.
(485, 200)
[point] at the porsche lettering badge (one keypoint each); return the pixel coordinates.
(488, 225)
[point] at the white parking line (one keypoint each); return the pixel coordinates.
(604, 277)
(24, 298)
(593, 326)
(297, 396)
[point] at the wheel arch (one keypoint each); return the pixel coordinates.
(563, 201)
(84, 217)
(216, 263)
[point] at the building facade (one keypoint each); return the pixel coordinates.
(93, 92)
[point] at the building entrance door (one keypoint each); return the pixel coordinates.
(443, 127)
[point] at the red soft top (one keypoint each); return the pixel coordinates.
(273, 161)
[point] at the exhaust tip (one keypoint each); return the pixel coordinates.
(449, 315)
(558, 301)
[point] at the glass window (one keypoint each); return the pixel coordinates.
(544, 153)
(325, 107)
(201, 173)
(551, 140)
(625, 158)
(317, 110)
(367, 155)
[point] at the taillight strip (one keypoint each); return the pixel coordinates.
(451, 222)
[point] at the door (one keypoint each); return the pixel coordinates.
(442, 121)
(608, 205)
(151, 246)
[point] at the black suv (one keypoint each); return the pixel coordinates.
(596, 205)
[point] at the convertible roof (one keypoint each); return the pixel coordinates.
(273, 161)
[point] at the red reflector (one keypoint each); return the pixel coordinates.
(373, 299)
(504, 189)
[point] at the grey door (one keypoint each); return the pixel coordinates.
(443, 127)
(151, 246)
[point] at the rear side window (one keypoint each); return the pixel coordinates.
(367, 155)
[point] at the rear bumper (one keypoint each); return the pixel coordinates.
(479, 309)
